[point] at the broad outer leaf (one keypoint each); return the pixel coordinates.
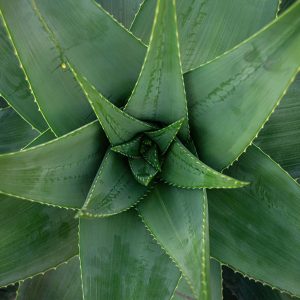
(240, 89)
(59, 172)
(98, 47)
(119, 260)
(123, 10)
(33, 238)
(114, 188)
(182, 169)
(13, 85)
(53, 86)
(209, 28)
(62, 283)
(280, 138)
(119, 126)
(246, 289)
(256, 229)
(178, 219)
(15, 133)
(159, 93)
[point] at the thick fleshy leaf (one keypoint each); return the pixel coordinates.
(119, 260)
(159, 93)
(3, 103)
(13, 85)
(256, 229)
(44, 137)
(62, 283)
(129, 149)
(240, 89)
(182, 169)
(165, 136)
(123, 10)
(209, 28)
(15, 133)
(119, 126)
(114, 188)
(53, 86)
(59, 172)
(178, 219)
(142, 171)
(152, 158)
(33, 238)
(285, 4)
(183, 290)
(246, 289)
(97, 46)
(280, 138)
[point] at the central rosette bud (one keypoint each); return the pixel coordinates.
(146, 151)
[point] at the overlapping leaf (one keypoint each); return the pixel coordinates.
(225, 111)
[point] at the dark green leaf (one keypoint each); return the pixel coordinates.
(123, 10)
(119, 260)
(182, 169)
(118, 125)
(63, 283)
(209, 28)
(53, 86)
(98, 48)
(164, 137)
(280, 138)
(256, 229)
(59, 172)
(178, 220)
(114, 188)
(44, 137)
(15, 133)
(240, 89)
(33, 238)
(3, 103)
(129, 149)
(13, 85)
(159, 93)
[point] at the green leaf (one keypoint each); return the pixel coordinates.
(256, 229)
(119, 260)
(63, 104)
(183, 290)
(178, 219)
(13, 85)
(98, 47)
(119, 126)
(159, 93)
(114, 188)
(240, 89)
(15, 133)
(3, 103)
(150, 155)
(33, 238)
(123, 10)
(129, 149)
(182, 169)
(59, 172)
(142, 171)
(165, 136)
(62, 283)
(209, 28)
(280, 137)
(44, 137)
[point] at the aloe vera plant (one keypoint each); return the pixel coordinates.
(131, 165)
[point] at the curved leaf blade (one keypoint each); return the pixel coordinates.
(34, 238)
(247, 225)
(159, 93)
(43, 64)
(114, 188)
(62, 283)
(119, 260)
(59, 172)
(267, 61)
(182, 169)
(178, 219)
